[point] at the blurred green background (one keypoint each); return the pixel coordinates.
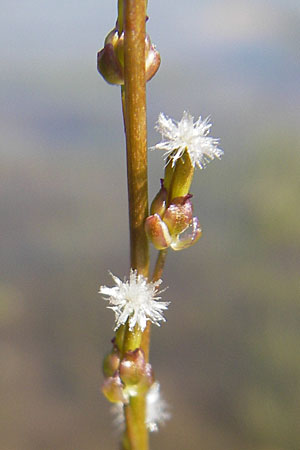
(228, 358)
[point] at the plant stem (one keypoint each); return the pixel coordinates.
(134, 110)
(135, 421)
(136, 130)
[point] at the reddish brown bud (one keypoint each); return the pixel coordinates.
(136, 374)
(157, 231)
(152, 59)
(109, 66)
(110, 60)
(132, 367)
(179, 214)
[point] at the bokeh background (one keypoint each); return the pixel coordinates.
(228, 358)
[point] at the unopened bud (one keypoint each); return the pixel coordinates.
(109, 66)
(136, 374)
(189, 237)
(110, 60)
(157, 231)
(179, 214)
(132, 367)
(111, 363)
(113, 389)
(182, 176)
(159, 203)
(152, 59)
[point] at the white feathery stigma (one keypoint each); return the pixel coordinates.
(136, 300)
(157, 410)
(187, 135)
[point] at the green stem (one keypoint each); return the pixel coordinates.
(135, 415)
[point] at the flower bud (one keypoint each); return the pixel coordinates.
(132, 367)
(159, 203)
(157, 231)
(182, 176)
(109, 66)
(189, 237)
(110, 60)
(113, 389)
(135, 373)
(111, 363)
(152, 59)
(179, 214)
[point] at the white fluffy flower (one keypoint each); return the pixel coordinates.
(136, 300)
(187, 135)
(157, 410)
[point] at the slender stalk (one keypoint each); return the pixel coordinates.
(134, 110)
(159, 265)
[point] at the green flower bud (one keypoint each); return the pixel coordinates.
(159, 203)
(113, 389)
(157, 231)
(188, 237)
(179, 214)
(182, 177)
